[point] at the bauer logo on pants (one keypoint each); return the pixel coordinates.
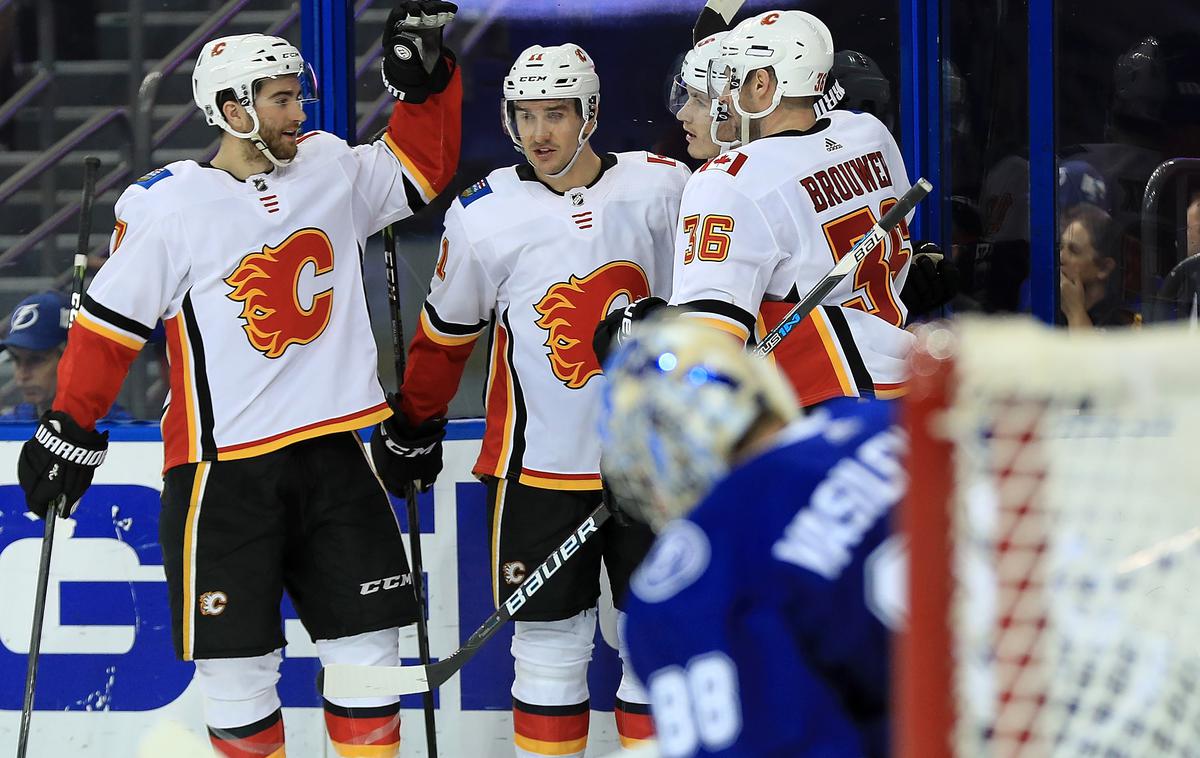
(268, 284)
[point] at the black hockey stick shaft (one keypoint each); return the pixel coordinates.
(368, 681)
(716, 16)
(443, 670)
(410, 493)
(844, 267)
(91, 167)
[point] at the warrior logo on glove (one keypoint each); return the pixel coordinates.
(56, 466)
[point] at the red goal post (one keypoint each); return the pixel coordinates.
(1053, 522)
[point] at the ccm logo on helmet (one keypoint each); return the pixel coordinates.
(770, 18)
(552, 564)
(533, 78)
(387, 583)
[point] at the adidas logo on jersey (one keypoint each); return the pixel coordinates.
(830, 145)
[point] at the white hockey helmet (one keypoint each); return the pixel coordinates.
(694, 70)
(796, 45)
(680, 397)
(558, 72)
(239, 62)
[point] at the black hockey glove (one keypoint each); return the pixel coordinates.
(932, 280)
(415, 64)
(614, 329)
(59, 462)
(406, 454)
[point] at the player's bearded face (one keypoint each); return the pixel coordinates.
(549, 132)
(280, 115)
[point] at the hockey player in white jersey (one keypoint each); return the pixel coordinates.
(821, 347)
(535, 255)
(252, 263)
(755, 621)
(763, 222)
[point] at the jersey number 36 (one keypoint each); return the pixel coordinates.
(697, 705)
(874, 280)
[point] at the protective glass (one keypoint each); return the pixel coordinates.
(681, 93)
(308, 84)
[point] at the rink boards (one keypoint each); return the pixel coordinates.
(108, 673)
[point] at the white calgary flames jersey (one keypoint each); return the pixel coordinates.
(760, 225)
(540, 270)
(259, 285)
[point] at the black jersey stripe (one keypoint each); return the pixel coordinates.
(123, 323)
(722, 308)
(412, 195)
(449, 327)
(521, 417)
(845, 338)
(208, 445)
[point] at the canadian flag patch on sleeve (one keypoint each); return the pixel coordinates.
(730, 163)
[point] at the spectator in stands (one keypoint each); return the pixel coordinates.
(1089, 270)
(36, 338)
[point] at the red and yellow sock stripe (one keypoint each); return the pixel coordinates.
(262, 739)
(372, 732)
(634, 724)
(557, 730)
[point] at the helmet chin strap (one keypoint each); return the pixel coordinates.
(582, 140)
(720, 113)
(254, 138)
(746, 116)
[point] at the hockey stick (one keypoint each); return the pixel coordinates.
(410, 492)
(342, 680)
(716, 16)
(58, 509)
(846, 266)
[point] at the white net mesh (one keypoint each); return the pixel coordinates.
(1076, 512)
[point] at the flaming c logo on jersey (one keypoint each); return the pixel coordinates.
(266, 284)
(571, 310)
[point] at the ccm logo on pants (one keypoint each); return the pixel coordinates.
(387, 583)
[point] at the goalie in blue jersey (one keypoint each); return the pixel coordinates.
(760, 620)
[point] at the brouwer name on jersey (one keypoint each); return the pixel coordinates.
(847, 180)
(267, 285)
(570, 311)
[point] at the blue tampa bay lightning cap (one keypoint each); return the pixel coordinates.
(39, 322)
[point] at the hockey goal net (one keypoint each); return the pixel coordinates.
(1054, 530)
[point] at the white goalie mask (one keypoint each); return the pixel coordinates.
(559, 72)
(238, 64)
(680, 398)
(796, 45)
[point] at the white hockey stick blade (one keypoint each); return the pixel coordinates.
(349, 680)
